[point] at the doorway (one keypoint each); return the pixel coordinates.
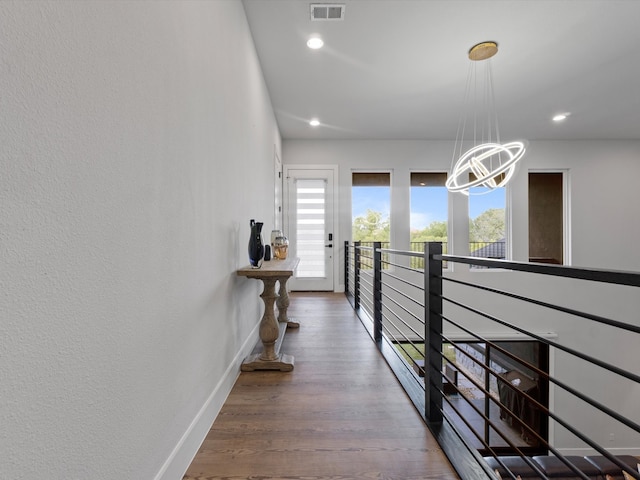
(547, 218)
(311, 225)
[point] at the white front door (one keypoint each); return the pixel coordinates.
(309, 225)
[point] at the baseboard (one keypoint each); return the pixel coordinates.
(185, 450)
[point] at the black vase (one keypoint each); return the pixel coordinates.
(256, 245)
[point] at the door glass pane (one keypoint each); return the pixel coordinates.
(310, 227)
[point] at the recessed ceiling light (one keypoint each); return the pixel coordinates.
(314, 122)
(560, 117)
(315, 43)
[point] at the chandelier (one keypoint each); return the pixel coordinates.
(479, 158)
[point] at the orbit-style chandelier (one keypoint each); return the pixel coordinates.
(479, 158)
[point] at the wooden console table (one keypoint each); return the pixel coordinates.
(272, 330)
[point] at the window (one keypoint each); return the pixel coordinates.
(370, 207)
(487, 223)
(429, 212)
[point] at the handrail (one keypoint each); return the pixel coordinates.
(404, 299)
(593, 274)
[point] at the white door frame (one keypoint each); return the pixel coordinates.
(336, 233)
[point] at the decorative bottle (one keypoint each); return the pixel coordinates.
(275, 234)
(281, 246)
(256, 245)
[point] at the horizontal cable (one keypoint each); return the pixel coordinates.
(594, 403)
(407, 282)
(397, 329)
(418, 319)
(367, 282)
(631, 279)
(577, 433)
(495, 428)
(398, 344)
(365, 295)
(367, 309)
(364, 298)
(596, 318)
(494, 345)
(395, 339)
(403, 267)
(408, 297)
(612, 368)
(514, 415)
(489, 370)
(406, 353)
(402, 321)
(365, 274)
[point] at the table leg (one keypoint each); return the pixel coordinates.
(283, 304)
(268, 327)
(269, 359)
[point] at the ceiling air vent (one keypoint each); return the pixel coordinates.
(327, 11)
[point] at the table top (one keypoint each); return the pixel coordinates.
(272, 268)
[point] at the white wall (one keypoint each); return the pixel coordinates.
(135, 138)
(604, 233)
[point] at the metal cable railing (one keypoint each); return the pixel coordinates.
(424, 323)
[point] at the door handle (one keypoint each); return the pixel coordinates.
(329, 246)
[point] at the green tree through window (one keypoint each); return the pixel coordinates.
(436, 231)
(489, 226)
(372, 227)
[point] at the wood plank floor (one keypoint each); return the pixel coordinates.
(340, 414)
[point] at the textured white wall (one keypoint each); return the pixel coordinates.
(135, 138)
(605, 233)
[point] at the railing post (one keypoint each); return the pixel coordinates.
(356, 275)
(346, 268)
(433, 331)
(377, 293)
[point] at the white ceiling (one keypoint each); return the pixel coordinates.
(396, 69)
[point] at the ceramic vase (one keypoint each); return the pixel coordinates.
(256, 245)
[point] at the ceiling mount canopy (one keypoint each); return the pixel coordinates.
(483, 51)
(479, 158)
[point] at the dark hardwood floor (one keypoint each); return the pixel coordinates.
(340, 414)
